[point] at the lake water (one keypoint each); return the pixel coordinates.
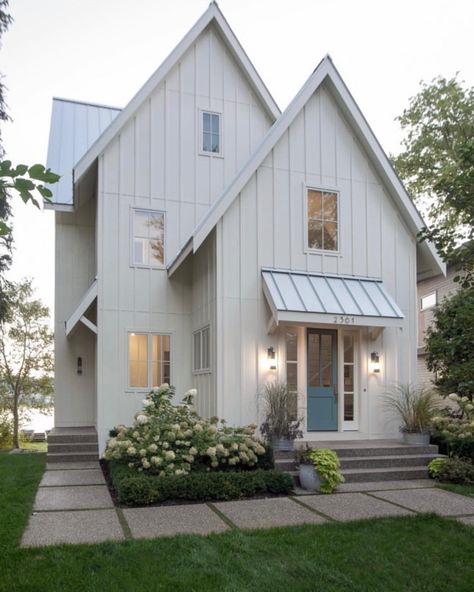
(39, 422)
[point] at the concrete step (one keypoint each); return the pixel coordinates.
(378, 462)
(386, 451)
(285, 464)
(64, 457)
(385, 474)
(73, 447)
(66, 435)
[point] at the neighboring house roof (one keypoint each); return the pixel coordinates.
(212, 15)
(298, 296)
(324, 73)
(75, 126)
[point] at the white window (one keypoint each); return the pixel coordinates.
(429, 301)
(149, 360)
(148, 238)
(202, 350)
(211, 132)
(291, 343)
(322, 211)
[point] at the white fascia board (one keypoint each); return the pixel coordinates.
(180, 257)
(81, 308)
(212, 14)
(57, 207)
(347, 321)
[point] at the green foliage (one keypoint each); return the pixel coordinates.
(414, 407)
(26, 356)
(6, 429)
(454, 428)
(450, 344)
(435, 466)
(437, 167)
(136, 489)
(328, 466)
(280, 409)
(457, 470)
(168, 439)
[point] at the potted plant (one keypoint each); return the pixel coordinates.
(320, 470)
(281, 425)
(415, 408)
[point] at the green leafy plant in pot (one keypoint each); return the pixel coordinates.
(320, 470)
(281, 426)
(415, 408)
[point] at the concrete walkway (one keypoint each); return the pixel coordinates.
(73, 505)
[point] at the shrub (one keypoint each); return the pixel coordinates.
(455, 428)
(327, 464)
(457, 470)
(6, 430)
(435, 466)
(415, 407)
(280, 409)
(134, 488)
(168, 439)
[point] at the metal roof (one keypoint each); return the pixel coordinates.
(75, 126)
(320, 298)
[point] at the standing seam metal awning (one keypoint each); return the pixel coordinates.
(317, 298)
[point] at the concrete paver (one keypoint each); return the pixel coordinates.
(149, 523)
(442, 502)
(74, 477)
(352, 506)
(381, 485)
(84, 526)
(266, 513)
(60, 466)
(72, 498)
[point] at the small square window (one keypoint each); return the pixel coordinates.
(148, 238)
(323, 221)
(429, 301)
(211, 132)
(202, 350)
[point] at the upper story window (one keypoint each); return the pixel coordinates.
(322, 220)
(202, 350)
(148, 241)
(211, 133)
(428, 301)
(149, 360)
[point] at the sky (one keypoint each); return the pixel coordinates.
(103, 51)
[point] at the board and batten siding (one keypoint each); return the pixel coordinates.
(155, 163)
(266, 227)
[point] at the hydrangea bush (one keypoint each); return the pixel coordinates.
(167, 439)
(456, 427)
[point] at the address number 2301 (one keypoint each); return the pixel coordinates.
(343, 320)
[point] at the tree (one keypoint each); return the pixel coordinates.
(449, 344)
(26, 357)
(437, 166)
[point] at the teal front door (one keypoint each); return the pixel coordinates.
(322, 380)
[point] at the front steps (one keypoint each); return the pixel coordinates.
(72, 445)
(370, 460)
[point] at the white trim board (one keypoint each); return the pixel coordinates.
(78, 315)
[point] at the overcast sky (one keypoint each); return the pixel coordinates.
(104, 50)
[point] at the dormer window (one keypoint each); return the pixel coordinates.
(322, 219)
(211, 130)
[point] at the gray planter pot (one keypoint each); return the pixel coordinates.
(309, 478)
(283, 444)
(416, 438)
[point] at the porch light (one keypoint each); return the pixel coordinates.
(374, 362)
(271, 355)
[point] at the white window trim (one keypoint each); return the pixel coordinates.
(202, 152)
(149, 334)
(306, 248)
(134, 209)
(200, 332)
(422, 308)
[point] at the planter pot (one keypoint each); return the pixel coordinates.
(309, 478)
(283, 444)
(416, 438)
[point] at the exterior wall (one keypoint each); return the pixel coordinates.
(265, 227)
(203, 314)
(154, 163)
(75, 395)
(443, 286)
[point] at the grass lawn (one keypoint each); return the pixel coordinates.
(461, 489)
(413, 554)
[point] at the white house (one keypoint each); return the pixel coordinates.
(205, 239)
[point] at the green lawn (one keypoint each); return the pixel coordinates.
(461, 489)
(423, 553)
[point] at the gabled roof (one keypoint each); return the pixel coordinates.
(212, 15)
(75, 126)
(327, 73)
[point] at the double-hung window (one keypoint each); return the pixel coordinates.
(149, 360)
(148, 240)
(211, 127)
(322, 210)
(202, 350)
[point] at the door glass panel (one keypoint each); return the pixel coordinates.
(348, 349)
(291, 377)
(349, 378)
(326, 360)
(349, 407)
(313, 359)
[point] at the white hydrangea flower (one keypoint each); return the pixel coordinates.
(112, 443)
(153, 448)
(193, 451)
(142, 452)
(453, 397)
(147, 402)
(170, 455)
(142, 419)
(165, 445)
(131, 451)
(145, 463)
(211, 451)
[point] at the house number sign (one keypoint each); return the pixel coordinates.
(343, 320)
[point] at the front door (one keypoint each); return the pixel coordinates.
(322, 380)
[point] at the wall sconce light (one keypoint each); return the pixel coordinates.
(79, 365)
(271, 358)
(375, 362)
